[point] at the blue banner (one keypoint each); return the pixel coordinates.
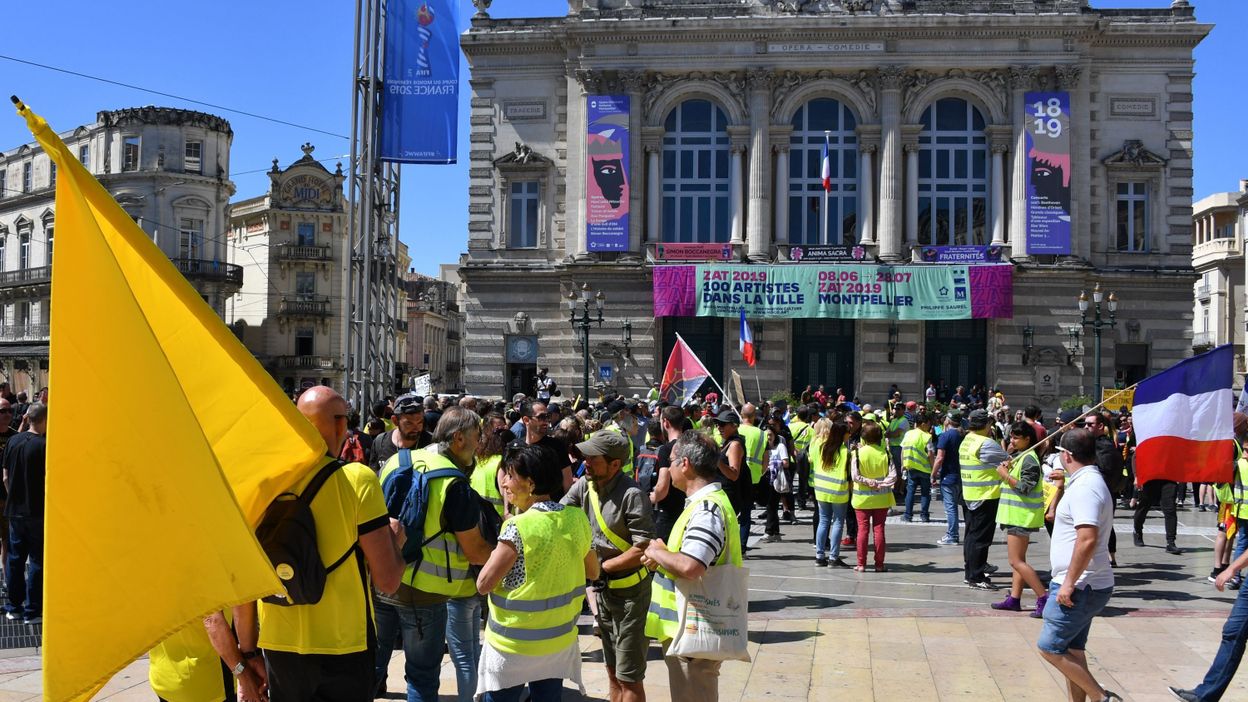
(1048, 172)
(961, 254)
(420, 82)
(607, 174)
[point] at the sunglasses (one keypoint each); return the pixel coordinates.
(545, 416)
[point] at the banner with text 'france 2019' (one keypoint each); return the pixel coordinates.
(1048, 172)
(420, 82)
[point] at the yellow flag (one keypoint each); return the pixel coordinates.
(165, 445)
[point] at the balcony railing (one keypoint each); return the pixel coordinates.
(304, 306)
(1202, 291)
(26, 276)
(452, 335)
(1202, 340)
(24, 332)
(210, 271)
(300, 252)
(327, 363)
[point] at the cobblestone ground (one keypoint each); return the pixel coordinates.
(915, 632)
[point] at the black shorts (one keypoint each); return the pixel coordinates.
(297, 677)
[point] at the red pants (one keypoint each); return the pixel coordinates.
(871, 521)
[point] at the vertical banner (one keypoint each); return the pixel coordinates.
(1048, 172)
(606, 173)
(420, 82)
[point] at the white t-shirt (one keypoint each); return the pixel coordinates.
(1085, 502)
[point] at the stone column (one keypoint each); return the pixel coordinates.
(580, 83)
(654, 194)
(738, 138)
(912, 194)
(1022, 79)
(998, 194)
(759, 237)
(633, 83)
(889, 234)
(866, 193)
(782, 193)
(1070, 79)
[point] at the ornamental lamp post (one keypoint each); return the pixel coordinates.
(583, 324)
(1098, 322)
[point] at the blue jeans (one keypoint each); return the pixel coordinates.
(548, 690)
(949, 495)
(922, 483)
(832, 515)
(463, 639)
(424, 635)
(1225, 663)
(1241, 538)
(24, 569)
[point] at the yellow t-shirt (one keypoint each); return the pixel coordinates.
(349, 504)
(186, 668)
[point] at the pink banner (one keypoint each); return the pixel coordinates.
(674, 291)
(693, 252)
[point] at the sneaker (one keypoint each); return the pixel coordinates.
(925, 520)
(789, 517)
(11, 616)
(1009, 604)
(907, 520)
(946, 541)
(1235, 582)
(1213, 574)
(31, 621)
(838, 562)
(1174, 550)
(990, 569)
(1038, 613)
(1138, 539)
(981, 585)
(847, 541)
(771, 538)
(1111, 696)
(1181, 694)
(821, 562)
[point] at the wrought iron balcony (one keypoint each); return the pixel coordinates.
(26, 276)
(304, 306)
(301, 252)
(198, 269)
(23, 332)
(326, 363)
(1203, 340)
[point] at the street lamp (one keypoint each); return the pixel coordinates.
(1097, 322)
(583, 324)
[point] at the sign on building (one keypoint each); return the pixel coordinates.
(420, 110)
(607, 171)
(1048, 172)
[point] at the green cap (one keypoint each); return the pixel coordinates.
(611, 444)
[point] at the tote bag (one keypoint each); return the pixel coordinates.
(713, 615)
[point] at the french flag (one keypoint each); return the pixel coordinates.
(747, 341)
(826, 170)
(1183, 420)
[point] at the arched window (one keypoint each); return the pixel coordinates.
(815, 120)
(695, 174)
(953, 175)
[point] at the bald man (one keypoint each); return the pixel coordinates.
(325, 651)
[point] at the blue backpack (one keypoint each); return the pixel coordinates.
(406, 491)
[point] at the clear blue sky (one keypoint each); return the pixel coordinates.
(292, 61)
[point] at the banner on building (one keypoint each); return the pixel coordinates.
(607, 173)
(827, 252)
(915, 292)
(960, 254)
(1048, 172)
(693, 252)
(420, 82)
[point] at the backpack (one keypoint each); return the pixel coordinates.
(353, 449)
(287, 533)
(646, 473)
(406, 491)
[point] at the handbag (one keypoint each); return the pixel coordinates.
(780, 482)
(714, 613)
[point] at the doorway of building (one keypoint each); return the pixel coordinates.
(823, 354)
(1130, 364)
(705, 335)
(956, 352)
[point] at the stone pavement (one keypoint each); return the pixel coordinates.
(914, 633)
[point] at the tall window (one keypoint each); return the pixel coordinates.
(304, 345)
(22, 311)
(27, 170)
(192, 235)
(51, 232)
(4, 182)
(523, 210)
(806, 193)
(192, 157)
(4, 264)
(84, 155)
(695, 174)
(953, 175)
(306, 231)
(51, 174)
(1132, 217)
(130, 153)
(305, 285)
(23, 250)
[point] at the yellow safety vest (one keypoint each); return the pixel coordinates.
(803, 434)
(484, 480)
(627, 466)
(979, 482)
(872, 463)
(1017, 508)
(443, 568)
(596, 506)
(914, 451)
(1240, 489)
(830, 482)
(662, 620)
(539, 617)
(755, 447)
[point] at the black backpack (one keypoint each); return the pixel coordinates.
(287, 533)
(646, 474)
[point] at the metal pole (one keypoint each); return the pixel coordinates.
(585, 351)
(1097, 353)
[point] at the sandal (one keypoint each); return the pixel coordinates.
(860, 569)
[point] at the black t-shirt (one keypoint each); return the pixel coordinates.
(556, 448)
(740, 491)
(670, 507)
(25, 460)
(460, 511)
(384, 448)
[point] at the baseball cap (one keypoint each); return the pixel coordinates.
(978, 419)
(605, 443)
(912, 405)
(728, 416)
(615, 407)
(409, 404)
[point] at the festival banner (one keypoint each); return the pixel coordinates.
(827, 252)
(1048, 172)
(607, 173)
(693, 252)
(420, 82)
(960, 254)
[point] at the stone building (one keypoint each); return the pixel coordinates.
(168, 168)
(922, 105)
(1218, 257)
(434, 331)
(292, 242)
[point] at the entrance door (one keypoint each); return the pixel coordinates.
(521, 378)
(957, 354)
(823, 354)
(705, 335)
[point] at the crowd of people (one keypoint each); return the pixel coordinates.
(541, 507)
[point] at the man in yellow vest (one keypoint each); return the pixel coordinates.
(803, 432)
(916, 460)
(622, 526)
(625, 424)
(441, 586)
(756, 459)
(710, 523)
(978, 458)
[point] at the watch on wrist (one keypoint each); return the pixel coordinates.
(238, 669)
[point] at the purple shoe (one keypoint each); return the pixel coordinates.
(1039, 611)
(1010, 603)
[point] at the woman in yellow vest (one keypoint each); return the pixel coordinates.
(485, 475)
(829, 479)
(1021, 513)
(535, 579)
(874, 476)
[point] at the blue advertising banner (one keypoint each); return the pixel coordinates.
(420, 81)
(961, 254)
(1048, 172)
(607, 172)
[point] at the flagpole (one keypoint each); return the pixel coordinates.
(823, 214)
(758, 386)
(1076, 420)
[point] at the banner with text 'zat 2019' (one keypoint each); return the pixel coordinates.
(420, 82)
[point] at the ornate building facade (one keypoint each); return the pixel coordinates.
(921, 107)
(1218, 257)
(168, 168)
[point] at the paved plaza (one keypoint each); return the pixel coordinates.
(913, 633)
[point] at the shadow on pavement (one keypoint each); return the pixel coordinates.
(795, 602)
(771, 637)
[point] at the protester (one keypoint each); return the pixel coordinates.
(205, 662)
(916, 454)
(777, 450)
(801, 429)
(1109, 464)
(733, 468)
(1081, 577)
(873, 475)
(535, 579)
(829, 459)
(667, 500)
(535, 420)
(486, 474)
(947, 473)
(25, 470)
(755, 460)
(407, 431)
(1020, 514)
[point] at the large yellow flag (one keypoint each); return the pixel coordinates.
(150, 510)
